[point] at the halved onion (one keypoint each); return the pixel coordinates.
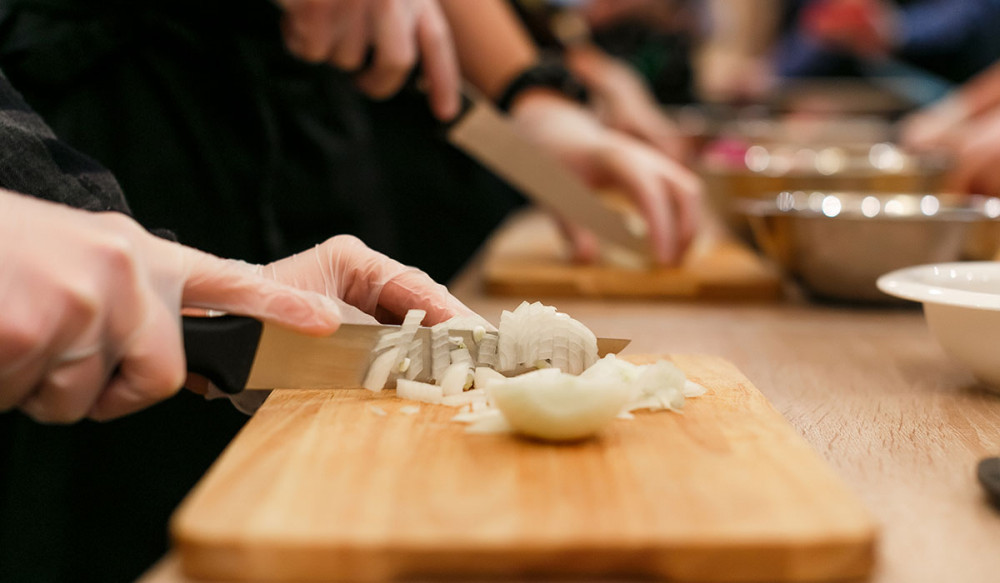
(552, 405)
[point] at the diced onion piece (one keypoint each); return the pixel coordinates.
(488, 350)
(551, 405)
(693, 389)
(440, 351)
(461, 356)
(409, 409)
(419, 368)
(490, 422)
(483, 375)
(467, 398)
(469, 323)
(380, 369)
(377, 410)
(457, 377)
(417, 391)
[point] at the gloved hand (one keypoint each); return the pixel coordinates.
(346, 269)
(342, 32)
(667, 195)
(91, 322)
(624, 102)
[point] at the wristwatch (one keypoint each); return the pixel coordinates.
(548, 72)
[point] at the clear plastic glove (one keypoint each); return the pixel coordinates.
(92, 301)
(344, 268)
(623, 101)
(975, 151)
(368, 287)
(397, 33)
(667, 195)
(937, 127)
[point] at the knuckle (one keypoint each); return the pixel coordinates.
(19, 338)
(345, 241)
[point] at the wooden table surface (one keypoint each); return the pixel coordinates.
(870, 389)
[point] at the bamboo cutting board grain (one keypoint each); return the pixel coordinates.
(320, 486)
(526, 258)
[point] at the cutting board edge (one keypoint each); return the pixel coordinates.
(799, 563)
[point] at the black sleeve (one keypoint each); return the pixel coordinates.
(34, 162)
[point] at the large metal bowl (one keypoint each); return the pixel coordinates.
(837, 244)
(736, 169)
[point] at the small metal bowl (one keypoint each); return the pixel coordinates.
(837, 244)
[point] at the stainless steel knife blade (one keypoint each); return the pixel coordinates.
(486, 135)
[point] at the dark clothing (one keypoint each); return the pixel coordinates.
(954, 39)
(212, 130)
(33, 160)
(69, 496)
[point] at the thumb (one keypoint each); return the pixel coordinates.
(237, 287)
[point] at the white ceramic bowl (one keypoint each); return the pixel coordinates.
(962, 307)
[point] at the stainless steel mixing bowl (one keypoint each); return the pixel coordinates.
(838, 243)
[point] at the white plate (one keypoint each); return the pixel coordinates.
(973, 284)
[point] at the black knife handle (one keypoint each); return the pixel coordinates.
(222, 349)
(988, 473)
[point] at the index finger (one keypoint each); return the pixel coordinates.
(440, 65)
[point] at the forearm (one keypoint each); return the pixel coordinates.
(493, 47)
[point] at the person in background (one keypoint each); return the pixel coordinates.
(965, 125)
(215, 128)
(632, 57)
(953, 40)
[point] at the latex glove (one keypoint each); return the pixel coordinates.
(938, 127)
(91, 320)
(346, 269)
(975, 149)
(667, 195)
(624, 102)
(397, 33)
(368, 287)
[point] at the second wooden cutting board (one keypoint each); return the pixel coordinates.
(526, 259)
(344, 486)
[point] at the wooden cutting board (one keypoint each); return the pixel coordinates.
(319, 486)
(527, 258)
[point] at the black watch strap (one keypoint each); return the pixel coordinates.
(549, 72)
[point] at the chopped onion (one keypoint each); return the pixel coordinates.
(535, 332)
(491, 421)
(470, 398)
(377, 410)
(483, 375)
(552, 405)
(379, 370)
(409, 409)
(457, 377)
(417, 391)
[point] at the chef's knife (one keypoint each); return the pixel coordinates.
(483, 133)
(237, 353)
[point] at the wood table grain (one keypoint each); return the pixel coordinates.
(901, 422)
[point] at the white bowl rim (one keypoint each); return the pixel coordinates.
(912, 283)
